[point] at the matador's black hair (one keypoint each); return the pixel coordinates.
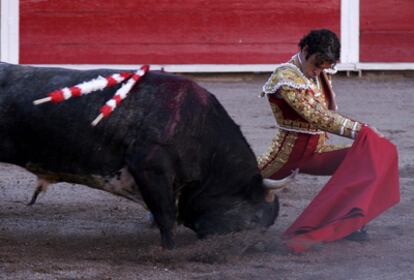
(323, 42)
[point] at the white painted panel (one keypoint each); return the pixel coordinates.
(350, 31)
(10, 31)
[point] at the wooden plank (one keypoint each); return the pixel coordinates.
(387, 31)
(170, 32)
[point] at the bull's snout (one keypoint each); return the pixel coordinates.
(267, 213)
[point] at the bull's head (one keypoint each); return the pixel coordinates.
(224, 214)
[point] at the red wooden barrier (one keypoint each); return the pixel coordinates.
(167, 31)
(387, 31)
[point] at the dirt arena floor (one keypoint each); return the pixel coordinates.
(74, 232)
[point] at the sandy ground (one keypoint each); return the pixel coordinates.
(74, 232)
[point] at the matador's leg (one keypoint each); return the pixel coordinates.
(325, 160)
(323, 163)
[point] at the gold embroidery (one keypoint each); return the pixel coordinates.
(324, 148)
(284, 123)
(286, 74)
(288, 82)
(277, 154)
(331, 148)
(320, 95)
(317, 114)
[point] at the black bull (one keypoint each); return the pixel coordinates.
(170, 143)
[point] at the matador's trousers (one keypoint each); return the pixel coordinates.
(309, 153)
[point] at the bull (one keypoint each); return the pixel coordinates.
(171, 144)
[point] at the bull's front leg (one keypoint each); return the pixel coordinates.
(155, 177)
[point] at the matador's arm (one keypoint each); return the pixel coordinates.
(317, 114)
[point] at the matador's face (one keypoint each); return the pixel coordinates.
(313, 66)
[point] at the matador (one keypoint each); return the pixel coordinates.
(303, 104)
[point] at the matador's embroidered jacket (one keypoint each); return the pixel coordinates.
(301, 106)
(304, 105)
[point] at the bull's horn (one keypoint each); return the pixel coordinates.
(278, 184)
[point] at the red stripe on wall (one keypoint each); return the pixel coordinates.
(387, 31)
(168, 32)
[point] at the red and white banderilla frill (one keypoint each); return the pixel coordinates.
(96, 84)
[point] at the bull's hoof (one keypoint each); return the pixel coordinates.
(170, 245)
(167, 241)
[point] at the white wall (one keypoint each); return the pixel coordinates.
(9, 39)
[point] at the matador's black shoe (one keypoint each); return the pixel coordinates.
(358, 236)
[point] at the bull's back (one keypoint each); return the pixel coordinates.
(59, 137)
